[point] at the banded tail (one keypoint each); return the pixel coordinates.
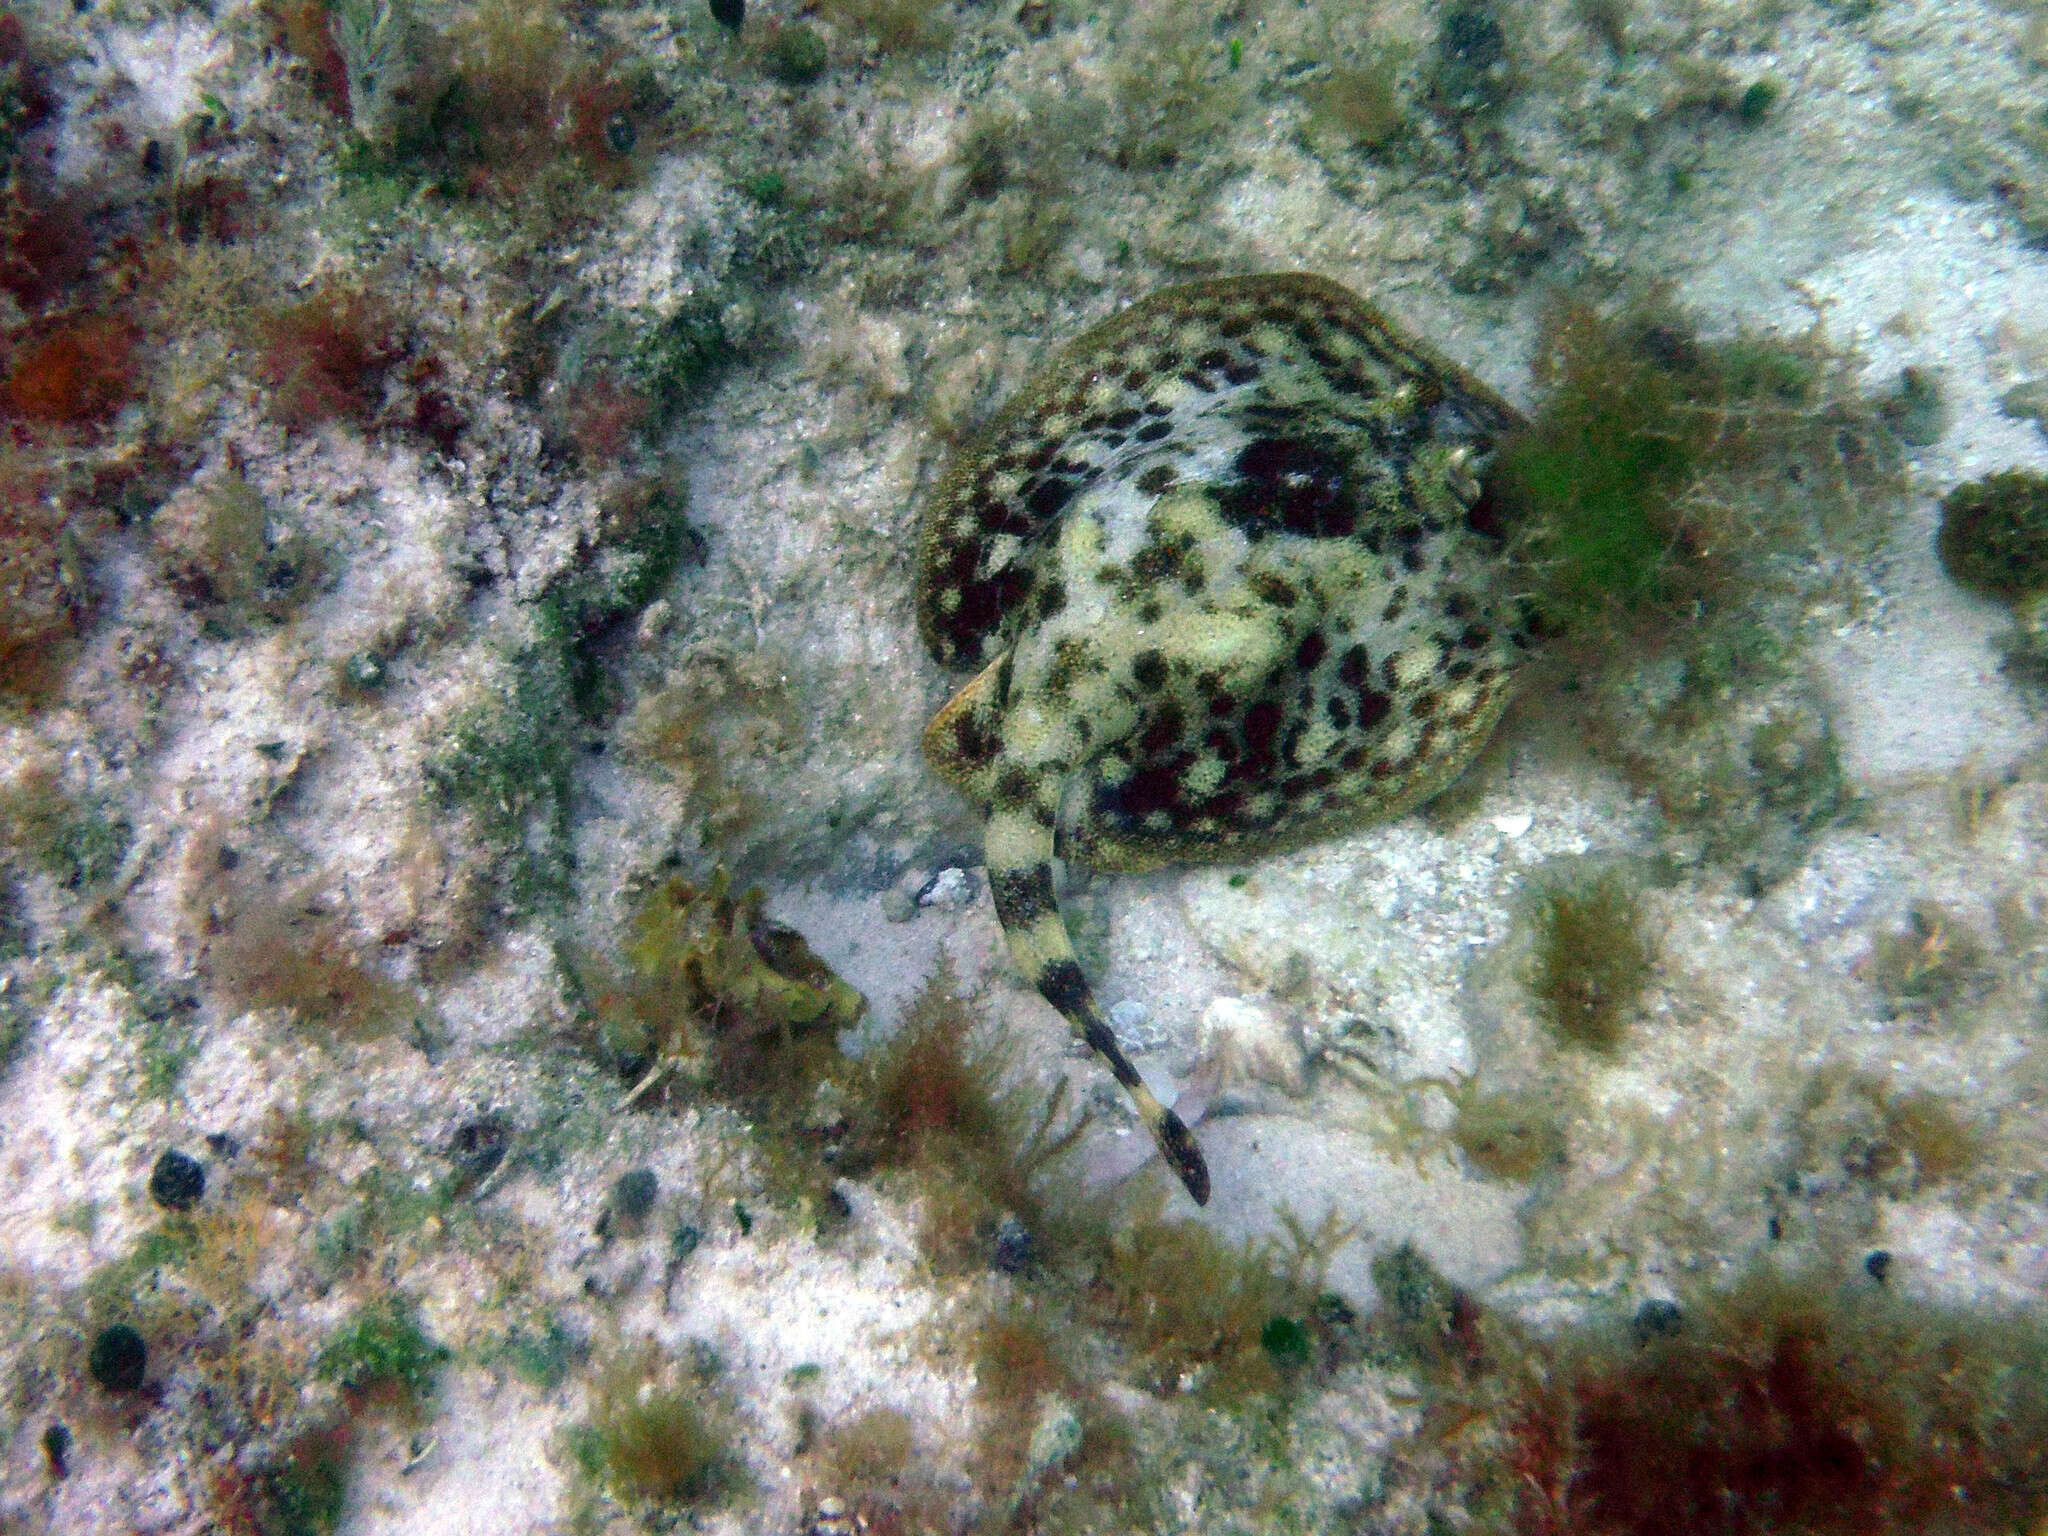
(1019, 855)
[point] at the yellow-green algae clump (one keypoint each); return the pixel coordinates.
(712, 980)
(659, 1433)
(1591, 960)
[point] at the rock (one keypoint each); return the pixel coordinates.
(2027, 402)
(1128, 1016)
(157, 1503)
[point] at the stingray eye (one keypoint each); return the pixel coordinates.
(1299, 486)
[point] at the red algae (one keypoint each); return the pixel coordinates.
(38, 603)
(78, 373)
(598, 126)
(1789, 1404)
(306, 30)
(603, 417)
(325, 359)
(43, 250)
(34, 102)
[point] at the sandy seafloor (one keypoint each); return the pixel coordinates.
(1882, 185)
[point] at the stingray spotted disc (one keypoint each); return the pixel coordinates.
(1217, 568)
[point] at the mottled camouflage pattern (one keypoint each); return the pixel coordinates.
(1218, 566)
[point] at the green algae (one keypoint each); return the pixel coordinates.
(1994, 534)
(1513, 1135)
(797, 55)
(1473, 70)
(1935, 963)
(1918, 410)
(383, 1353)
(1757, 101)
(1654, 487)
(17, 1021)
(216, 550)
(505, 760)
(305, 1491)
(1362, 104)
(1591, 960)
(1423, 1319)
(643, 536)
(658, 1433)
(78, 843)
(541, 1355)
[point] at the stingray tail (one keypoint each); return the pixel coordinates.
(1020, 850)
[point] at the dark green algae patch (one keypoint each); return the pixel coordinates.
(1993, 541)
(1994, 535)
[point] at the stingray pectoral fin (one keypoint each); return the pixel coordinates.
(1020, 851)
(965, 738)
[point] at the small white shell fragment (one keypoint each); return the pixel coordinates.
(1247, 1042)
(1513, 823)
(950, 890)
